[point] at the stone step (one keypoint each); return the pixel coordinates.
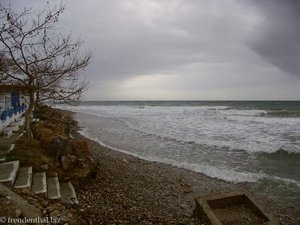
(68, 194)
(39, 183)
(53, 188)
(8, 172)
(2, 158)
(24, 178)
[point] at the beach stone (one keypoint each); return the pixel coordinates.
(55, 213)
(46, 136)
(18, 212)
(55, 147)
(50, 208)
(45, 203)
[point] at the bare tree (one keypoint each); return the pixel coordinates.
(45, 62)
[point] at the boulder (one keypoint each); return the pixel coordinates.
(56, 147)
(46, 136)
(68, 161)
(78, 159)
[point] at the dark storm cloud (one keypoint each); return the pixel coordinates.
(277, 38)
(183, 49)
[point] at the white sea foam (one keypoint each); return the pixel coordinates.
(220, 173)
(214, 125)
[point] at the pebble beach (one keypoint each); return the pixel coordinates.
(129, 190)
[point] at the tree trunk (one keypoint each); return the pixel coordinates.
(27, 117)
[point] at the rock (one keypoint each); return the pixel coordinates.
(50, 208)
(68, 161)
(55, 213)
(44, 203)
(18, 212)
(55, 148)
(46, 136)
(64, 218)
(77, 158)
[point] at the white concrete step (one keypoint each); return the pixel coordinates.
(24, 178)
(53, 188)
(68, 194)
(8, 172)
(39, 183)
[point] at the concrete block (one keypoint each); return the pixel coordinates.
(39, 183)
(68, 194)
(232, 209)
(8, 172)
(24, 178)
(53, 188)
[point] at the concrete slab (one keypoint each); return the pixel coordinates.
(53, 188)
(39, 183)
(24, 178)
(8, 172)
(232, 209)
(68, 194)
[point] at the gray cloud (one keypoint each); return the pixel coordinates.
(277, 38)
(197, 49)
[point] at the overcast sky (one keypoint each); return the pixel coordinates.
(187, 49)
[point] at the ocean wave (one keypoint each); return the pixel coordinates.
(283, 154)
(281, 113)
(222, 173)
(243, 112)
(277, 184)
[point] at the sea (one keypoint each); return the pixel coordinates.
(251, 142)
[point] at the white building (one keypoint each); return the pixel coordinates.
(13, 104)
